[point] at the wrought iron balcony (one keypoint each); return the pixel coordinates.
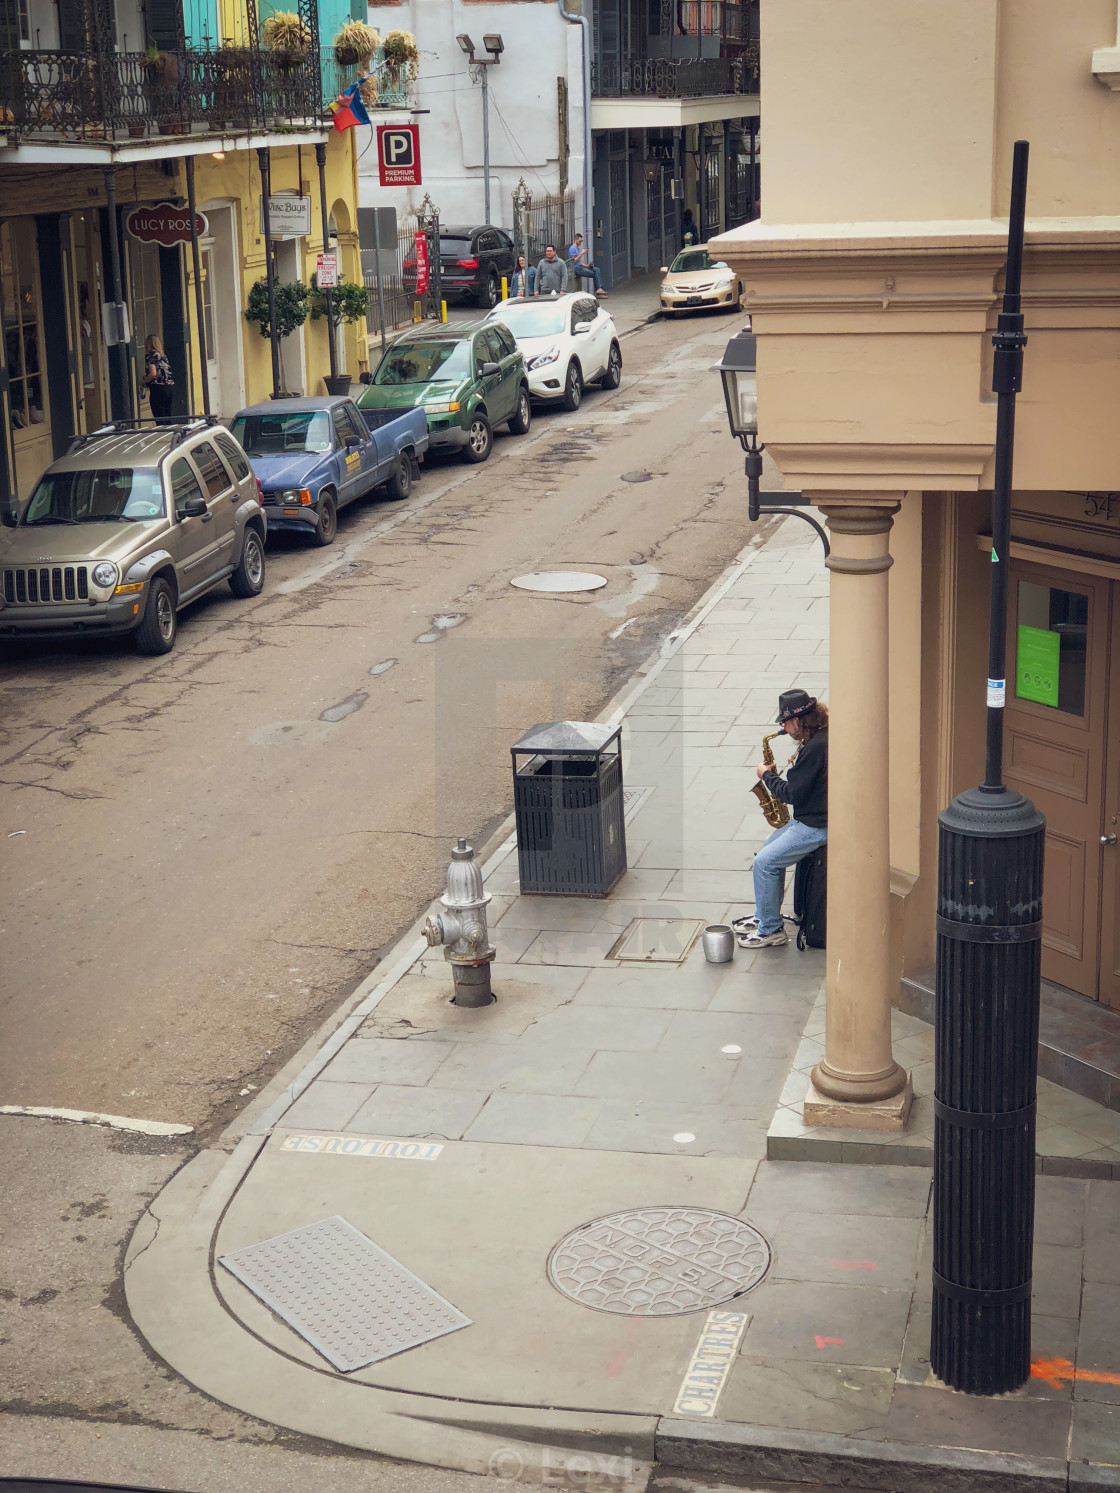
(660, 77)
(54, 95)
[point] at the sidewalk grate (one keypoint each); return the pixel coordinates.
(657, 940)
(352, 1302)
(659, 1262)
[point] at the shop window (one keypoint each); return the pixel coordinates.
(23, 333)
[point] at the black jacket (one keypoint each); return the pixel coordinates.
(805, 786)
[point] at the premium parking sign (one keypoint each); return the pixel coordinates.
(398, 151)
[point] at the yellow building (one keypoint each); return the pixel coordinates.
(80, 122)
(874, 280)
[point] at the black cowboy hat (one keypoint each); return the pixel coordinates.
(792, 703)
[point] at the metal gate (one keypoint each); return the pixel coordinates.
(546, 219)
(620, 220)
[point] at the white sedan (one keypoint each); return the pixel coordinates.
(568, 341)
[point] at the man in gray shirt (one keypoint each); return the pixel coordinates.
(552, 274)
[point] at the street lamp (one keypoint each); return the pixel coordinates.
(738, 369)
(495, 46)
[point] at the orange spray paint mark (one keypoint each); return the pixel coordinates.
(822, 1341)
(1054, 1371)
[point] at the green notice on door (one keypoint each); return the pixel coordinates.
(1037, 665)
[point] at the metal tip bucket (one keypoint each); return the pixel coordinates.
(719, 943)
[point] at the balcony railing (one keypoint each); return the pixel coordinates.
(659, 77)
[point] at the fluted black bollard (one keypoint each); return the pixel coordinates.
(989, 941)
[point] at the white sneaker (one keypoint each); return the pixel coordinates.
(757, 940)
(745, 924)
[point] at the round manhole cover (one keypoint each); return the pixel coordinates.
(659, 1262)
(559, 580)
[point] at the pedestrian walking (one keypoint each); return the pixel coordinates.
(581, 267)
(158, 378)
(805, 789)
(552, 274)
(690, 234)
(522, 282)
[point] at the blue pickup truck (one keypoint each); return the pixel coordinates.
(313, 456)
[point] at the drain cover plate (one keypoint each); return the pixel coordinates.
(559, 580)
(657, 940)
(352, 1302)
(659, 1262)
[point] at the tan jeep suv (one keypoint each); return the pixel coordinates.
(165, 512)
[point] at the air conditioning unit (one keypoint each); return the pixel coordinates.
(676, 189)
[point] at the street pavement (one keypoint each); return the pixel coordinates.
(470, 1144)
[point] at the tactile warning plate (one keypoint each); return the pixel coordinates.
(659, 1262)
(353, 1302)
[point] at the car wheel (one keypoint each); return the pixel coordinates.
(327, 526)
(156, 633)
(399, 484)
(480, 438)
(522, 417)
(488, 295)
(248, 579)
(613, 376)
(573, 386)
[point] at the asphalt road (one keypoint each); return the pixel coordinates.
(205, 852)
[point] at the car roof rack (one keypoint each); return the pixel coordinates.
(174, 428)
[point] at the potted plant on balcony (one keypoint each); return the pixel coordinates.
(355, 44)
(402, 58)
(161, 88)
(349, 303)
(287, 37)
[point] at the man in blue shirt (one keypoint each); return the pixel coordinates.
(579, 266)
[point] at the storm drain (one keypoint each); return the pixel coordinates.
(352, 1302)
(657, 940)
(659, 1262)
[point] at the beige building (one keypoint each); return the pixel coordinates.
(874, 278)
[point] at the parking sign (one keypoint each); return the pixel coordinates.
(398, 152)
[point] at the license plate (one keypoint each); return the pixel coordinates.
(694, 300)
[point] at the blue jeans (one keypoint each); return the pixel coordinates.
(783, 848)
(587, 272)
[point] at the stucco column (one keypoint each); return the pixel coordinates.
(858, 1083)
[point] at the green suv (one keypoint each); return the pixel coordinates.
(163, 513)
(465, 382)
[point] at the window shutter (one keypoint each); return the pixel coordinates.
(71, 25)
(164, 21)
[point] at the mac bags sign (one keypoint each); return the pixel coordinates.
(165, 224)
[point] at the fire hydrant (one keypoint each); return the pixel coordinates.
(461, 929)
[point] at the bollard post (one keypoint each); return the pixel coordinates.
(505, 288)
(443, 311)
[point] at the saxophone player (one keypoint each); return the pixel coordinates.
(805, 789)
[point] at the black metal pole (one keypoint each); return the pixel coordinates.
(989, 947)
(118, 287)
(321, 162)
(264, 161)
(196, 261)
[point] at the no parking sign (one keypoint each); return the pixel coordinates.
(398, 154)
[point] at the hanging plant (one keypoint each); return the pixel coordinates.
(291, 298)
(355, 44)
(368, 90)
(349, 302)
(286, 33)
(402, 55)
(162, 68)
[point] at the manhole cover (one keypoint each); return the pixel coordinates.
(559, 580)
(659, 1262)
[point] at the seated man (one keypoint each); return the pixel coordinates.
(805, 789)
(581, 267)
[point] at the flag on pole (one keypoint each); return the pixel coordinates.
(349, 108)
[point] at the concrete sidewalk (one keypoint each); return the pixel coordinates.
(477, 1147)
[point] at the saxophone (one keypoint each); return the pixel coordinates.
(776, 812)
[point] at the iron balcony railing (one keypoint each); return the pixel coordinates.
(54, 95)
(660, 77)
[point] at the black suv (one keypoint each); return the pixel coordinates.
(473, 260)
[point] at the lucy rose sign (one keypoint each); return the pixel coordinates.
(165, 224)
(398, 152)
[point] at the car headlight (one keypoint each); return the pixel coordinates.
(725, 282)
(296, 496)
(104, 574)
(450, 408)
(542, 360)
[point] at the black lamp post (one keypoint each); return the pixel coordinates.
(989, 936)
(738, 370)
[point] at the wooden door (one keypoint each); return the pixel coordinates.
(1110, 826)
(1054, 751)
